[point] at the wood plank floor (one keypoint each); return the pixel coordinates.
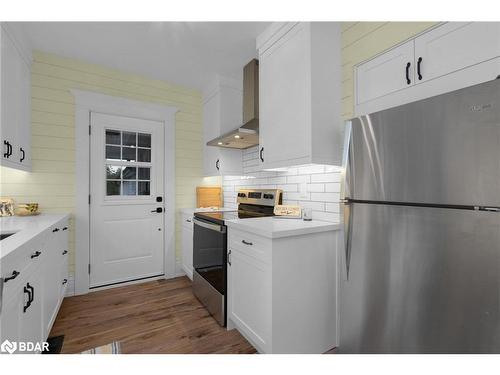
(154, 317)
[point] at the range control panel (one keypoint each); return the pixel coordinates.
(265, 197)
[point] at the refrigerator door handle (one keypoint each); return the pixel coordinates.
(346, 194)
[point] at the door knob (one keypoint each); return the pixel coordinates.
(158, 210)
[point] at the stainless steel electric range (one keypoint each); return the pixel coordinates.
(210, 246)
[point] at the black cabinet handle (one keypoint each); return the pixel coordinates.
(8, 152)
(65, 252)
(229, 259)
(28, 303)
(32, 293)
(65, 228)
(419, 63)
(408, 80)
(158, 210)
(247, 243)
(261, 154)
(217, 163)
(189, 220)
(24, 154)
(55, 230)
(64, 281)
(36, 254)
(12, 277)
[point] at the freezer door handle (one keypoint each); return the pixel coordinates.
(346, 194)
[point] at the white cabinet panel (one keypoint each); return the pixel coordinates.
(249, 304)
(299, 94)
(187, 245)
(283, 101)
(455, 46)
(385, 74)
(15, 126)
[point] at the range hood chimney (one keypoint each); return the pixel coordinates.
(247, 135)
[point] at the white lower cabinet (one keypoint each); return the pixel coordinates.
(282, 291)
(31, 300)
(187, 244)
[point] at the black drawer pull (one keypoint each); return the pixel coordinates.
(65, 252)
(408, 80)
(419, 72)
(217, 164)
(261, 154)
(36, 254)
(14, 275)
(65, 228)
(24, 154)
(247, 243)
(189, 220)
(228, 257)
(55, 230)
(64, 281)
(27, 290)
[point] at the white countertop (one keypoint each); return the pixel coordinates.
(26, 227)
(206, 209)
(273, 227)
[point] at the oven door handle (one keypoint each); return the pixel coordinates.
(214, 227)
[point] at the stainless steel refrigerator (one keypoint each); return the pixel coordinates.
(421, 214)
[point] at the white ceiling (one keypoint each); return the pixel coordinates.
(184, 53)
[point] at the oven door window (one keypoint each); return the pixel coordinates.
(209, 256)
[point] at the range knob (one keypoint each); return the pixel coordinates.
(268, 196)
(242, 195)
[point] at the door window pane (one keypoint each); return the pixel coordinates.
(128, 154)
(144, 155)
(113, 137)
(113, 153)
(144, 173)
(113, 172)
(144, 188)
(129, 187)
(129, 173)
(144, 140)
(129, 139)
(112, 187)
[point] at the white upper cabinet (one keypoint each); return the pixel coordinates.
(222, 112)
(393, 71)
(445, 58)
(455, 46)
(15, 127)
(299, 94)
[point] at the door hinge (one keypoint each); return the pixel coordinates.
(89, 268)
(89, 198)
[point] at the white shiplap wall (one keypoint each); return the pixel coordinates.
(321, 183)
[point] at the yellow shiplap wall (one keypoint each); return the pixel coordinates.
(362, 41)
(51, 182)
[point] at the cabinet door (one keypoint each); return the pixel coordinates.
(12, 314)
(32, 328)
(455, 46)
(10, 111)
(187, 247)
(249, 303)
(211, 130)
(23, 150)
(230, 162)
(284, 79)
(385, 74)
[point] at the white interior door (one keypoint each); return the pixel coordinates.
(127, 180)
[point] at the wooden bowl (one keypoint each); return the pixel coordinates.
(27, 209)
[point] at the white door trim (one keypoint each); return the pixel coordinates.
(86, 102)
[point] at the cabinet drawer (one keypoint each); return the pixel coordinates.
(250, 244)
(187, 221)
(23, 261)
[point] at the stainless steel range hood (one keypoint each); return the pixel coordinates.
(248, 134)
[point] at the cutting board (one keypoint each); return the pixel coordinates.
(208, 196)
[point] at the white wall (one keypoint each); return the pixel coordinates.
(322, 185)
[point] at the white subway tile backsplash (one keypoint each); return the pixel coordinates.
(316, 188)
(321, 185)
(325, 197)
(298, 179)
